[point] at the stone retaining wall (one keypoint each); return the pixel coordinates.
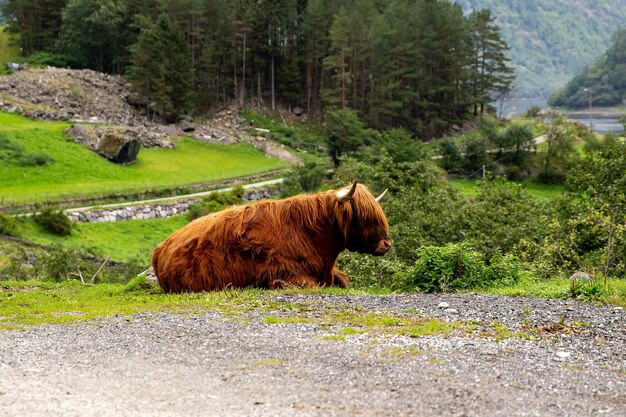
(154, 211)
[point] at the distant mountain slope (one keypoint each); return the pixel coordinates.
(551, 41)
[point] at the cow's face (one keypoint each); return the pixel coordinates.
(368, 231)
(372, 237)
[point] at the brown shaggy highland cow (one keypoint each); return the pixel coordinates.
(272, 244)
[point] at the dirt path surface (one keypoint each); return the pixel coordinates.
(567, 359)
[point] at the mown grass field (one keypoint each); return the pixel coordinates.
(77, 171)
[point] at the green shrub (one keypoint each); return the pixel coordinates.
(33, 160)
(305, 178)
(7, 225)
(58, 263)
(216, 202)
(533, 111)
(456, 267)
(54, 221)
(369, 272)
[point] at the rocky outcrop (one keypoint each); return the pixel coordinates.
(100, 105)
(118, 148)
(90, 135)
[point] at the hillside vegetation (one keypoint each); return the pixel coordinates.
(551, 41)
(603, 84)
(74, 171)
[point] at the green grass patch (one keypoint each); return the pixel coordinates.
(428, 327)
(307, 140)
(35, 303)
(613, 293)
(79, 172)
(286, 320)
(543, 191)
(121, 241)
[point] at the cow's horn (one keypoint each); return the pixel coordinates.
(345, 195)
(380, 197)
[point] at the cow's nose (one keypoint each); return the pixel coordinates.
(383, 246)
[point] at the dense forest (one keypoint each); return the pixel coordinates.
(551, 41)
(419, 64)
(604, 84)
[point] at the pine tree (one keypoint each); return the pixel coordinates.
(161, 70)
(491, 74)
(91, 35)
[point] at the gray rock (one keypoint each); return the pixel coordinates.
(118, 148)
(186, 124)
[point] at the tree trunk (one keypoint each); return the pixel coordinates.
(273, 86)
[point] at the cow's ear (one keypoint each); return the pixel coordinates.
(345, 194)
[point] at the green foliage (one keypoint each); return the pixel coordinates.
(215, 202)
(367, 272)
(93, 32)
(561, 154)
(8, 225)
(161, 68)
(47, 59)
(515, 149)
(345, 133)
(58, 263)
(450, 156)
(54, 221)
(533, 111)
(139, 284)
(191, 162)
(603, 84)
(13, 153)
(306, 178)
(454, 267)
(501, 215)
(399, 144)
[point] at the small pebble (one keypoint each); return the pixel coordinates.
(563, 355)
(443, 304)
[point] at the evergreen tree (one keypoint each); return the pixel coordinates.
(37, 21)
(91, 35)
(161, 70)
(491, 73)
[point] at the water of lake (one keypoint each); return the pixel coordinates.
(604, 125)
(518, 106)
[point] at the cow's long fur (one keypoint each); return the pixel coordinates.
(271, 244)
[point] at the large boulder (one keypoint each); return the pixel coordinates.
(186, 124)
(118, 148)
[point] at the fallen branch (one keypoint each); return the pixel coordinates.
(93, 278)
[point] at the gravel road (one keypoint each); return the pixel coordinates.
(505, 356)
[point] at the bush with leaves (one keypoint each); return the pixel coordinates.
(8, 226)
(215, 202)
(501, 215)
(54, 221)
(368, 272)
(456, 266)
(345, 133)
(303, 179)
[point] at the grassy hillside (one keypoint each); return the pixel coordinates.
(77, 171)
(122, 241)
(552, 40)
